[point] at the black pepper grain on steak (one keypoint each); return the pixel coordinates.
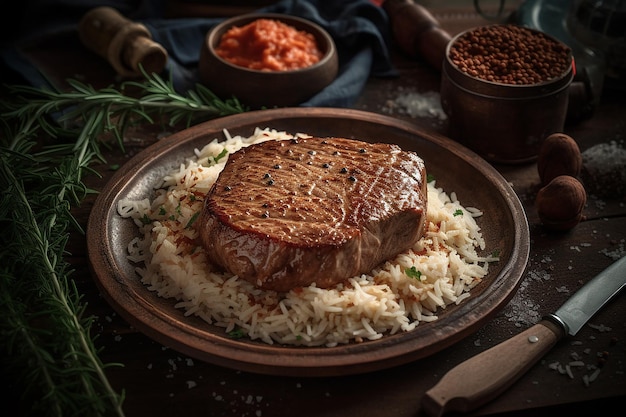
(286, 214)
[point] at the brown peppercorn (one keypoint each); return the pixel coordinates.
(561, 202)
(510, 54)
(559, 154)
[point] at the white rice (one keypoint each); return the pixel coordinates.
(171, 261)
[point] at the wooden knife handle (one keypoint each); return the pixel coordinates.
(483, 377)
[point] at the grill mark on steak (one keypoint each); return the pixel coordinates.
(286, 214)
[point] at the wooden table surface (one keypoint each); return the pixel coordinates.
(159, 381)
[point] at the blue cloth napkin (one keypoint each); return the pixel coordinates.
(359, 28)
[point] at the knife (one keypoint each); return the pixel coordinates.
(483, 377)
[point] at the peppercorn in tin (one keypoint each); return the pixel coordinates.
(510, 54)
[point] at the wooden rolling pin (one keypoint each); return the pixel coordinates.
(123, 43)
(417, 31)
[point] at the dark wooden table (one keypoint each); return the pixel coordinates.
(159, 381)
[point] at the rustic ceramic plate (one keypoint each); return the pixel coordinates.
(477, 184)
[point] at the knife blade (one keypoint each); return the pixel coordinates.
(483, 377)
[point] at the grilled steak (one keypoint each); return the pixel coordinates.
(286, 214)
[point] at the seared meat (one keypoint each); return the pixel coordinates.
(286, 214)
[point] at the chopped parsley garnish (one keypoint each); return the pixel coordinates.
(221, 155)
(145, 219)
(192, 220)
(430, 178)
(457, 212)
(412, 272)
(236, 334)
(162, 211)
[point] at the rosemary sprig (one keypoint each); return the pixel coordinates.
(47, 350)
(113, 110)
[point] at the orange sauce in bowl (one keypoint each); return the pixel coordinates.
(268, 45)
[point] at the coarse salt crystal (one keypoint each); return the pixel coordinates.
(600, 327)
(415, 104)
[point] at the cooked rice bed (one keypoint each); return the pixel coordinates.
(171, 261)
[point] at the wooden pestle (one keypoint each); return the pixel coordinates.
(123, 43)
(416, 31)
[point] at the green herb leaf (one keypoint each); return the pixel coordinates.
(457, 212)
(236, 334)
(412, 272)
(192, 220)
(221, 155)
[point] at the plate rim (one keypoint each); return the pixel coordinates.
(277, 359)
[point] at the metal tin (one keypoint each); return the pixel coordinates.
(504, 123)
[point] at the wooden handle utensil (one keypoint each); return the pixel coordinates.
(123, 43)
(483, 377)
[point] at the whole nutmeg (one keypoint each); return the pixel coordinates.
(559, 154)
(561, 202)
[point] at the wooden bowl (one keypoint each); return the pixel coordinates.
(257, 88)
